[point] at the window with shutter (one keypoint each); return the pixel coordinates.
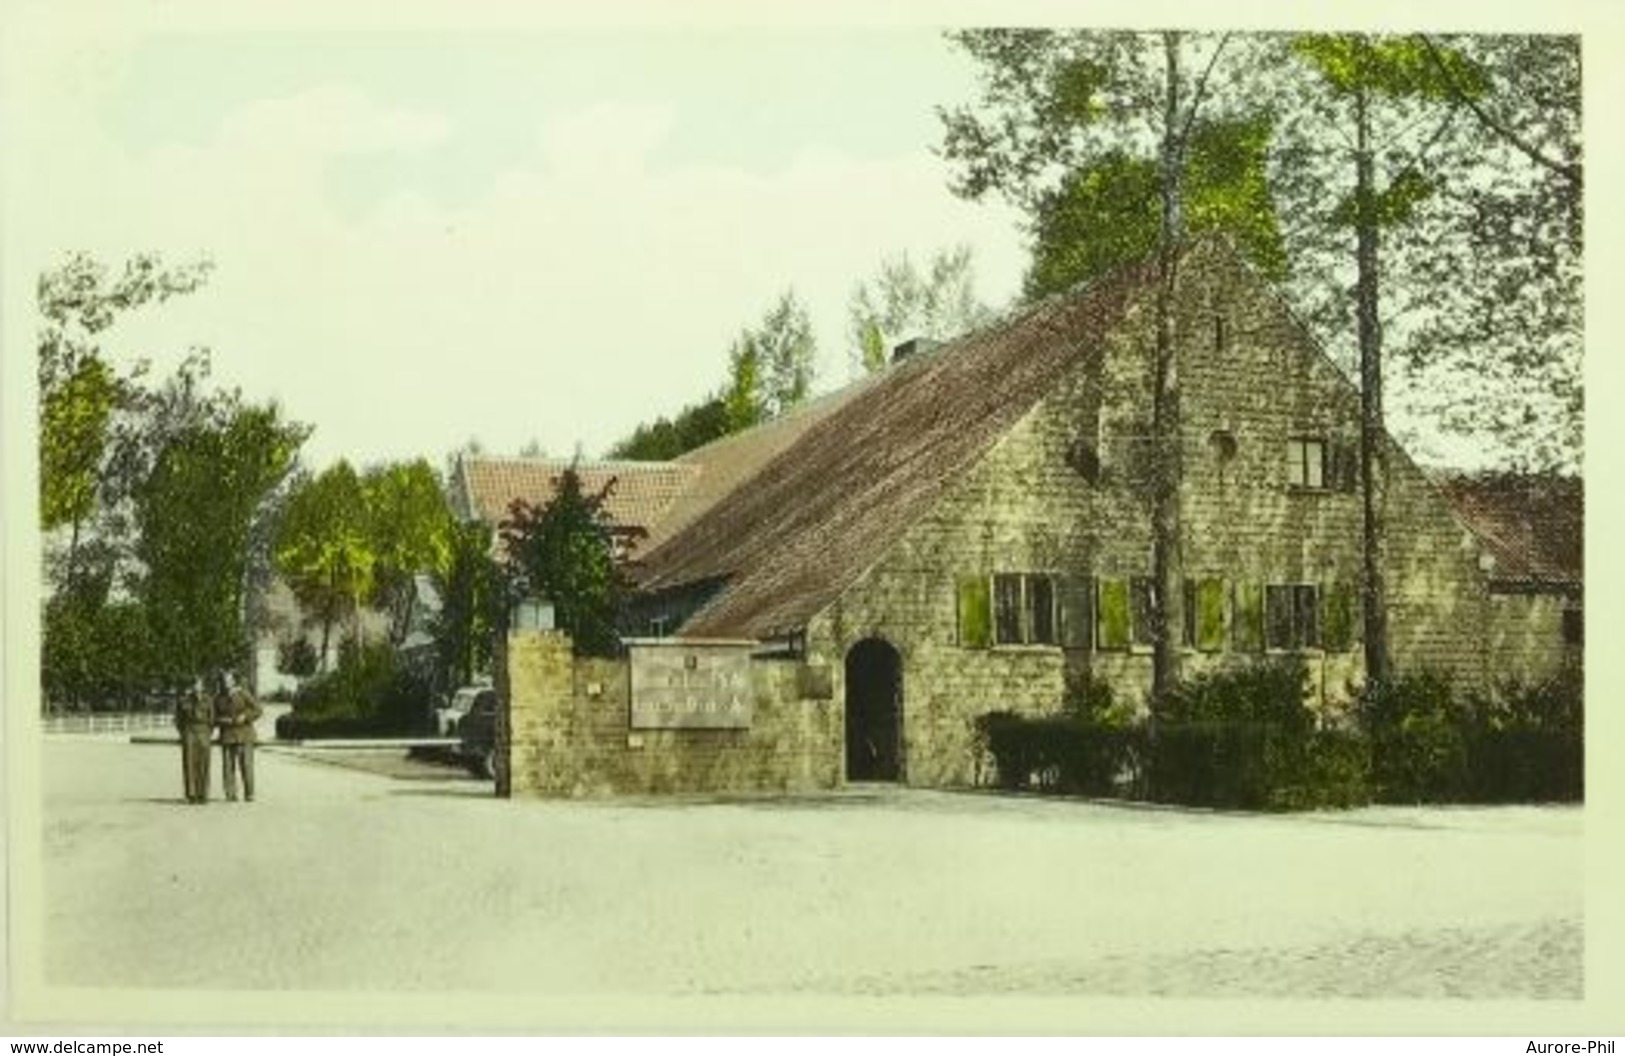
(1248, 625)
(1306, 616)
(1141, 594)
(1112, 611)
(1337, 624)
(1075, 597)
(975, 613)
(1209, 618)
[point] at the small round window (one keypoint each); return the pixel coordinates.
(1222, 443)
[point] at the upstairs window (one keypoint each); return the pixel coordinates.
(1306, 463)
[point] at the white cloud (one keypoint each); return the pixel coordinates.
(568, 301)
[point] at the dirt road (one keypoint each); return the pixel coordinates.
(341, 879)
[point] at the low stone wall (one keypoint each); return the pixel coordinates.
(569, 734)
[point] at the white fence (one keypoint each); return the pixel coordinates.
(108, 722)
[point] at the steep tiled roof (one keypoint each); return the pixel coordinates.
(643, 491)
(1532, 525)
(830, 502)
(726, 463)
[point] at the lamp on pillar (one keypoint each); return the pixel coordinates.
(531, 614)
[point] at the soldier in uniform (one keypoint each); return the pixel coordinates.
(194, 721)
(236, 711)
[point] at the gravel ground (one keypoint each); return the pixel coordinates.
(417, 878)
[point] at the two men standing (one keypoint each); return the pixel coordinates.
(233, 710)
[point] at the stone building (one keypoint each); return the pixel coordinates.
(969, 531)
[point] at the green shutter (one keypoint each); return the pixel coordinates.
(1114, 614)
(1337, 622)
(975, 613)
(1210, 615)
(1249, 622)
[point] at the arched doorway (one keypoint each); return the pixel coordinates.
(874, 712)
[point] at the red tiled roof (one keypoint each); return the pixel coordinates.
(642, 494)
(829, 503)
(1533, 525)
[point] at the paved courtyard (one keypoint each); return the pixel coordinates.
(417, 878)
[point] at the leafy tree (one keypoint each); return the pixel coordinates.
(1062, 108)
(744, 402)
(786, 349)
(1371, 90)
(83, 398)
(470, 603)
(1106, 216)
(564, 551)
(902, 302)
(196, 513)
(665, 438)
(409, 528)
(324, 548)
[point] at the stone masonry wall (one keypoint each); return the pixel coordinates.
(570, 734)
(1025, 508)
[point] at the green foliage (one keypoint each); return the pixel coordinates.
(1395, 66)
(75, 415)
(564, 552)
(96, 655)
(323, 547)
(902, 303)
(1090, 699)
(1265, 692)
(369, 693)
(296, 657)
(664, 439)
(1059, 754)
(470, 605)
(196, 514)
(409, 530)
(1107, 214)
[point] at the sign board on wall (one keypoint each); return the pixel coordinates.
(692, 684)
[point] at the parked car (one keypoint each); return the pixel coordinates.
(448, 715)
(477, 735)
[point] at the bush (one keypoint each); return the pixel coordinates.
(1526, 742)
(1418, 739)
(1061, 754)
(370, 693)
(1269, 692)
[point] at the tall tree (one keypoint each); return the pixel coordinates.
(902, 302)
(324, 548)
(85, 401)
(1373, 91)
(665, 438)
(196, 513)
(1060, 106)
(564, 551)
(469, 586)
(785, 344)
(409, 524)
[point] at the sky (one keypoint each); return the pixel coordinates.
(447, 225)
(544, 236)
